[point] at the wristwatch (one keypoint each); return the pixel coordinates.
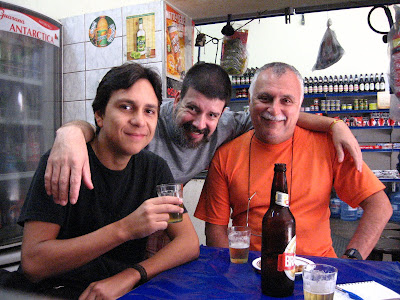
(353, 254)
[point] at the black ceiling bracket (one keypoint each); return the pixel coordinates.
(288, 11)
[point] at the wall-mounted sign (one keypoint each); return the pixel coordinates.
(140, 36)
(24, 24)
(175, 35)
(102, 31)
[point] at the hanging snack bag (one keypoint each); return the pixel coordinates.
(234, 53)
(330, 51)
(394, 50)
(394, 45)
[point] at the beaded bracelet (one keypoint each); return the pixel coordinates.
(142, 272)
(333, 123)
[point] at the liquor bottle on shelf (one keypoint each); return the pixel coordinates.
(233, 80)
(361, 84)
(356, 84)
(340, 84)
(345, 84)
(376, 82)
(320, 84)
(371, 83)
(315, 85)
(335, 84)
(351, 84)
(366, 83)
(325, 86)
(305, 85)
(330, 85)
(310, 85)
(382, 83)
(245, 78)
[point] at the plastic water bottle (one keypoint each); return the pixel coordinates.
(347, 213)
(395, 201)
(335, 207)
(360, 212)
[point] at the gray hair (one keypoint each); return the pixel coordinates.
(278, 68)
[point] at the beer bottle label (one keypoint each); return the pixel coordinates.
(282, 199)
(286, 260)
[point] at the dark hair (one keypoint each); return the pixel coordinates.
(208, 79)
(123, 77)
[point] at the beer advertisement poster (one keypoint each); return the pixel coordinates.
(140, 36)
(175, 41)
(102, 31)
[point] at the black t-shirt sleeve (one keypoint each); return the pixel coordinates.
(38, 206)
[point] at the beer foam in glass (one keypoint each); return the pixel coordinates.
(239, 243)
(319, 282)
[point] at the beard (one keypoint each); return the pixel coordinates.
(183, 140)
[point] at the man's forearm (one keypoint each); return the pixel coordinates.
(87, 129)
(184, 240)
(314, 122)
(377, 211)
(216, 235)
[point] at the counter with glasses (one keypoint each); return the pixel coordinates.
(213, 276)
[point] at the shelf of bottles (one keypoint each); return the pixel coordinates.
(344, 84)
(20, 63)
(241, 84)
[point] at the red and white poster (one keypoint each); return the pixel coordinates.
(175, 41)
(20, 23)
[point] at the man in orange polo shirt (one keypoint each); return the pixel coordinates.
(243, 169)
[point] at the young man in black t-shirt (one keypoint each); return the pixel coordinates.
(96, 247)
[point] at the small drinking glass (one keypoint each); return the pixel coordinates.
(175, 190)
(319, 281)
(239, 243)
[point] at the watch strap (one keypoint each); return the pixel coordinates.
(353, 254)
(142, 272)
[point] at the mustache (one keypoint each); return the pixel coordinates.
(190, 127)
(266, 115)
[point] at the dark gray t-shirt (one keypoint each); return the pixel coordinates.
(185, 163)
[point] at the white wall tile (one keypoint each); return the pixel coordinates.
(73, 30)
(93, 79)
(104, 57)
(74, 110)
(114, 14)
(74, 58)
(74, 86)
(145, 8)
(157, 66)
(89, 111)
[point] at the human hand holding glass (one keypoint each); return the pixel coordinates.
(175, 190)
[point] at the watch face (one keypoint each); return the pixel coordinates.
(353, 253)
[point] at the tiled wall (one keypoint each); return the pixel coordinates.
(84, 64)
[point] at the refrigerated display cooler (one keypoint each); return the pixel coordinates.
(30, 111)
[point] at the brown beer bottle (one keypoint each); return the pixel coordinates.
(278, 240)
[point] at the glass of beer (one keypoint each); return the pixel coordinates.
(239, 243)
(175, 190)
(319, 281)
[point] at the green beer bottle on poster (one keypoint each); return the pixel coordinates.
(141, 38)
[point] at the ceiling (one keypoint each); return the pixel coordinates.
(214, 11)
